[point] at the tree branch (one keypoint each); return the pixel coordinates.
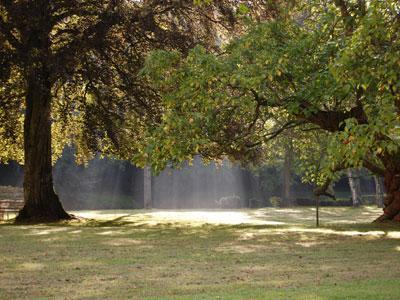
(331, 120)
(271, 135)
(322, 190)
(374, 168)
(346, 16)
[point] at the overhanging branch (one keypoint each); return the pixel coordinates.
(373, 167)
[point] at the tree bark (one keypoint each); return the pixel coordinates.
(391, 204)
(41, 202)
(355, 187)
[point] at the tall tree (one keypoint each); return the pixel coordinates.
(69, 67)
(331, 66)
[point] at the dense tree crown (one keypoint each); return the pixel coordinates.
(330, 66)
(71, 67)
(261, 75)
(92, 51)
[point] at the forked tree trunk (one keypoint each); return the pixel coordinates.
(41, 202)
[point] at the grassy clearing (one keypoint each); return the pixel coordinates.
(253, 254)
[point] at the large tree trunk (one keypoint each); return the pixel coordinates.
(355, 187)
(41, 202)
(391, 210)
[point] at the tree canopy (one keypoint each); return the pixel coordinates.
(330, 66)
(259, 74)
(94, 51)
(71, 67)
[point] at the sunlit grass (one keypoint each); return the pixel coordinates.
(252, 254)
(266, 216)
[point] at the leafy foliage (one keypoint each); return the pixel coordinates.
(328, 67)
(91, 52)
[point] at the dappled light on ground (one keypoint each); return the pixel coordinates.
(393, 235)
(183, 217)
(30, 267)
(207, 217)
(47, 231)
(123, 242)
(186, 253)
(265, 216)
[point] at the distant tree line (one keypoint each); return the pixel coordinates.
(115, 184)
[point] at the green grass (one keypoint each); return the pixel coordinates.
(239, 254)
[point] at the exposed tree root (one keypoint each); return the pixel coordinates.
(47, 212)
(382, 218)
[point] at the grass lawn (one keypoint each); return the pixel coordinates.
(252, 254)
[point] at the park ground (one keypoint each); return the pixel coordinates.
(239, 254)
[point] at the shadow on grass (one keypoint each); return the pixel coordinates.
(336, 220)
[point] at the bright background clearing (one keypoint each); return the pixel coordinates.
(253, 254)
